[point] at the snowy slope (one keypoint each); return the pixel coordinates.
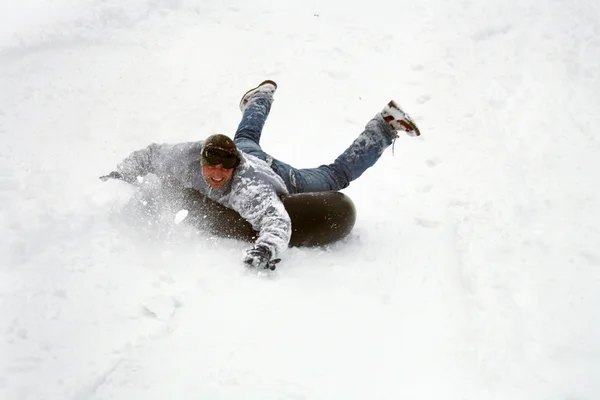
(474, 267)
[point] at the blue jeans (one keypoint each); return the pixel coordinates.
(356, 159)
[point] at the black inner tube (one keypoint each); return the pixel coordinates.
(317, 219)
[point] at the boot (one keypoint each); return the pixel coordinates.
(267, 86)
(399, 120)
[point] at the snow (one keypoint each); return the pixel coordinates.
(474, 267)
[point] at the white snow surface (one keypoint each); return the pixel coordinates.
(473, 271)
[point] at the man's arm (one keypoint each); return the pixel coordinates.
(154, 159)
(139, 163)
(260, 205)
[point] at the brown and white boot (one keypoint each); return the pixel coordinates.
(399, 120)
(267, 86)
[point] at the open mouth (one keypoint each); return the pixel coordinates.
(217, 182)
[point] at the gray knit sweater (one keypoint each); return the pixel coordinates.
(253, 191)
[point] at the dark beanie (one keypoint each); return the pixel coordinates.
(220, 143)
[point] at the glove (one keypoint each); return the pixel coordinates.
(112, 175)
(259, 256)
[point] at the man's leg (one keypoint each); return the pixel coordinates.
(255, 108)
(362, 154)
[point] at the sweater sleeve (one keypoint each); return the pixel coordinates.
(260, 205)
(158, 159)
(139, 163)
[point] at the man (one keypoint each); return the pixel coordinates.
(239, 175)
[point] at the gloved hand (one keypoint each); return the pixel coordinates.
(259, 256)
(112, 175)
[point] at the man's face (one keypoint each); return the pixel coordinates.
(216, 176)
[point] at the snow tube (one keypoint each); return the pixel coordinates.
(317, 218)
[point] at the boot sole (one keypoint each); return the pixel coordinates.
(268, 81)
